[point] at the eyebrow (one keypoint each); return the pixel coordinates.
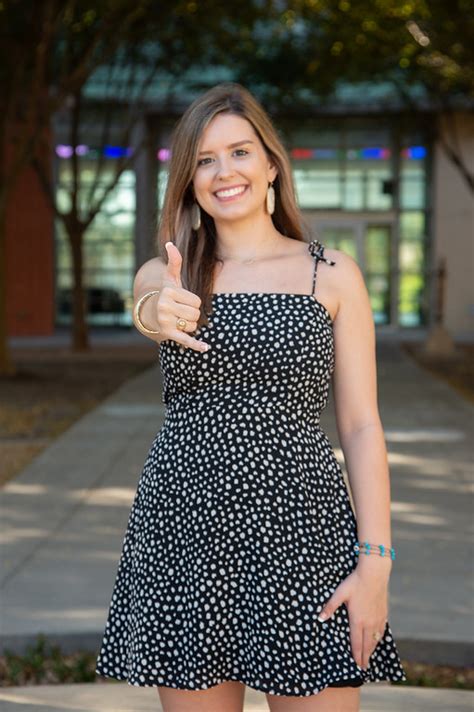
(231, 145)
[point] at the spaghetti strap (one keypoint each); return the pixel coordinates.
(316, 248)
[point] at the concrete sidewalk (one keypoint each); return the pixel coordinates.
(63, 518)
(121, 697)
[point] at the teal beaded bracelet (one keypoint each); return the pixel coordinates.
(383, 551)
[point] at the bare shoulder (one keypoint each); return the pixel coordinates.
(340, 284)
(347, 267)
(348, 283)
(149, 275)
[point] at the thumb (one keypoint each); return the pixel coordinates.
(337, 598)
(175, 261)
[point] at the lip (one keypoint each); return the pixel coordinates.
(232, 197)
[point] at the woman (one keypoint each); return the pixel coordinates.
(242, 535)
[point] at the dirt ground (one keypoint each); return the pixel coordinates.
(458, 371)
(54, 387)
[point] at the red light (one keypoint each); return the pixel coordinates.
(301, 153)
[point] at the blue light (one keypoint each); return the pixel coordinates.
(417, 152)
(325, 153)
(116, 151)
(372, 153)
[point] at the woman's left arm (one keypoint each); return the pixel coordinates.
(363, 443)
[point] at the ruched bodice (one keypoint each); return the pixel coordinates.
(285, 366)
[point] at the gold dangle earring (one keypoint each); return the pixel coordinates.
(195, 216)
(270, 199)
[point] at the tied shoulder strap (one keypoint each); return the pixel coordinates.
(316, 248)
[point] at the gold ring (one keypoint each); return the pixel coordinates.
(181, 324)
(376, 635)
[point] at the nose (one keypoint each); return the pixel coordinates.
(224, 168)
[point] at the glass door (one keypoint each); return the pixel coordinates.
(377, 272)
(368, 243)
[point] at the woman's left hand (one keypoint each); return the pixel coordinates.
(365, 593)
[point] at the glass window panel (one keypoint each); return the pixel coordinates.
(318, 187)
(376, 198)
(412, 226)
(377, 248)
(378, 286)
(377, 258)
(412, 186)
(353, 190)
(339, 238)
(63, 251)
(410, 308)
(411, 256)
(108, 248)
(162, 183)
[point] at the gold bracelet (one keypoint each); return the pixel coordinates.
(136, 313)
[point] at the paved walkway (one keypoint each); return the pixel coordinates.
(121, 697)
(63, 518)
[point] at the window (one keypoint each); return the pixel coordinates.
(108, 249)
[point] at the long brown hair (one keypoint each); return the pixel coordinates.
(198, 249)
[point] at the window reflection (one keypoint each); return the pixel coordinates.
(413, 269)
(346, 170)
(108, 248)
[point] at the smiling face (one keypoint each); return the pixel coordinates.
(233, 170)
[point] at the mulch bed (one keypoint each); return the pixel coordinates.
(458, 370)
(45, 664)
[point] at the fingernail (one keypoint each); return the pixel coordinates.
(205, 347)
(322, 617)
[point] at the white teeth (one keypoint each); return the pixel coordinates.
(228, 193)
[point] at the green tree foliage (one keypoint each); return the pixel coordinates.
(48, 50)
(292, 53)
(312, 45)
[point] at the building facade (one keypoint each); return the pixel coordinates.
(377, 185)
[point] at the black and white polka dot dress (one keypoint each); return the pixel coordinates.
(242, 527)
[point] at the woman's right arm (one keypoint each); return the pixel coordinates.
(162, 311)
(148, 278)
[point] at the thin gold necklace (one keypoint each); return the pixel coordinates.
(240, 262)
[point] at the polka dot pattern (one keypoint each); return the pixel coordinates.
(241, 527)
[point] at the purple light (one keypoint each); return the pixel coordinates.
(163, 154)
(81, 150)
(63, 151)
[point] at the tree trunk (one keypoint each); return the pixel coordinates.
(6, 365)
(80, 334)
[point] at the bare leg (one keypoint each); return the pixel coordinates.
(228, 696)
(341, 699)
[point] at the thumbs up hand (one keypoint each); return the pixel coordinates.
(176, 303)
(175, 262)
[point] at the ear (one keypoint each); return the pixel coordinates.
(272, 172)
